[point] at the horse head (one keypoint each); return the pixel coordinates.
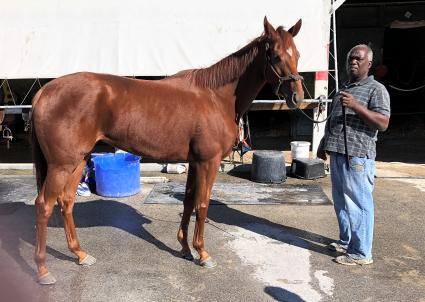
(281, 63)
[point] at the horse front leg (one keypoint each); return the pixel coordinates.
(66, 202)
(189, 205)
(206, 173)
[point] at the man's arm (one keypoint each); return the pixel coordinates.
(373, 119)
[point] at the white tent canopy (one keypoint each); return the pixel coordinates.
(50, 38)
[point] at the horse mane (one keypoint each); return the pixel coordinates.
(227, 69)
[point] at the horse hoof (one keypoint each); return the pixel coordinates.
(87, 261)
(47, 279)
(186, 255)
(207, 263)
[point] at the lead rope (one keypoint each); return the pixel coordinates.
(322, 107)
(347, 157)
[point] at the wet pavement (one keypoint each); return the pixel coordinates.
(265, 252)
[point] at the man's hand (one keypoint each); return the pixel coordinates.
(348, 100)
(321, 153)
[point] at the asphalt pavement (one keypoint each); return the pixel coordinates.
(265, 252)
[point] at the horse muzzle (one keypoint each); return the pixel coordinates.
(287, 87)
(295, 100)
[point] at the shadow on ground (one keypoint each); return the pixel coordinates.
(221, 213)
(282, 295)
(17, 222)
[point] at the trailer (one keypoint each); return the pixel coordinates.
(153, 39)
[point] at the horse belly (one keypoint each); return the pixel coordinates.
(160, 146)
(159, 138)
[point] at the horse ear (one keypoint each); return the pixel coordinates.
(268, 29)
(295, 29)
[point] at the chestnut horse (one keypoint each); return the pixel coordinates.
(191, 116)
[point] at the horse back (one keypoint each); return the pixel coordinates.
(165, 119)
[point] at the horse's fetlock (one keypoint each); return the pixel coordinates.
(180, 235)
(198, 244)
(40, 258)
(73, 246)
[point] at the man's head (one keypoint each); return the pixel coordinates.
(359, 61)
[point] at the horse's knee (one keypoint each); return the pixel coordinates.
(67, 205)
(44, 210)
(201, 213)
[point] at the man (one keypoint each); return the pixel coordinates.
(367, 106)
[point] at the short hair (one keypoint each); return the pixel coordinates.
(369, 51)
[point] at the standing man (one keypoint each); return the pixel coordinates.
(367, 106)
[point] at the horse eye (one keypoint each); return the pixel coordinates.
(277, 59)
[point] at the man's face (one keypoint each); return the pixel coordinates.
(358, 64)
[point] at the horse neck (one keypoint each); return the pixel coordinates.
(250, 83)
(239, 76)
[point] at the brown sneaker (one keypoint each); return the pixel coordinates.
(347, 260)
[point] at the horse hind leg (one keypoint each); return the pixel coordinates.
(66, 202)
(189, 205)
(52, 187)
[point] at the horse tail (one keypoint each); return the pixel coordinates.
(40, 163)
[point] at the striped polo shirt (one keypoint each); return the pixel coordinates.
(361, 139)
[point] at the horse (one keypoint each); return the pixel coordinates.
(191, 116)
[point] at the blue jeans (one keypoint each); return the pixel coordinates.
(353, 202)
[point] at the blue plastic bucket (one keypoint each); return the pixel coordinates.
(117, 174)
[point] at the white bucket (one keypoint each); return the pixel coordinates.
(300, 149)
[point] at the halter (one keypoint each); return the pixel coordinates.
(277, 79)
